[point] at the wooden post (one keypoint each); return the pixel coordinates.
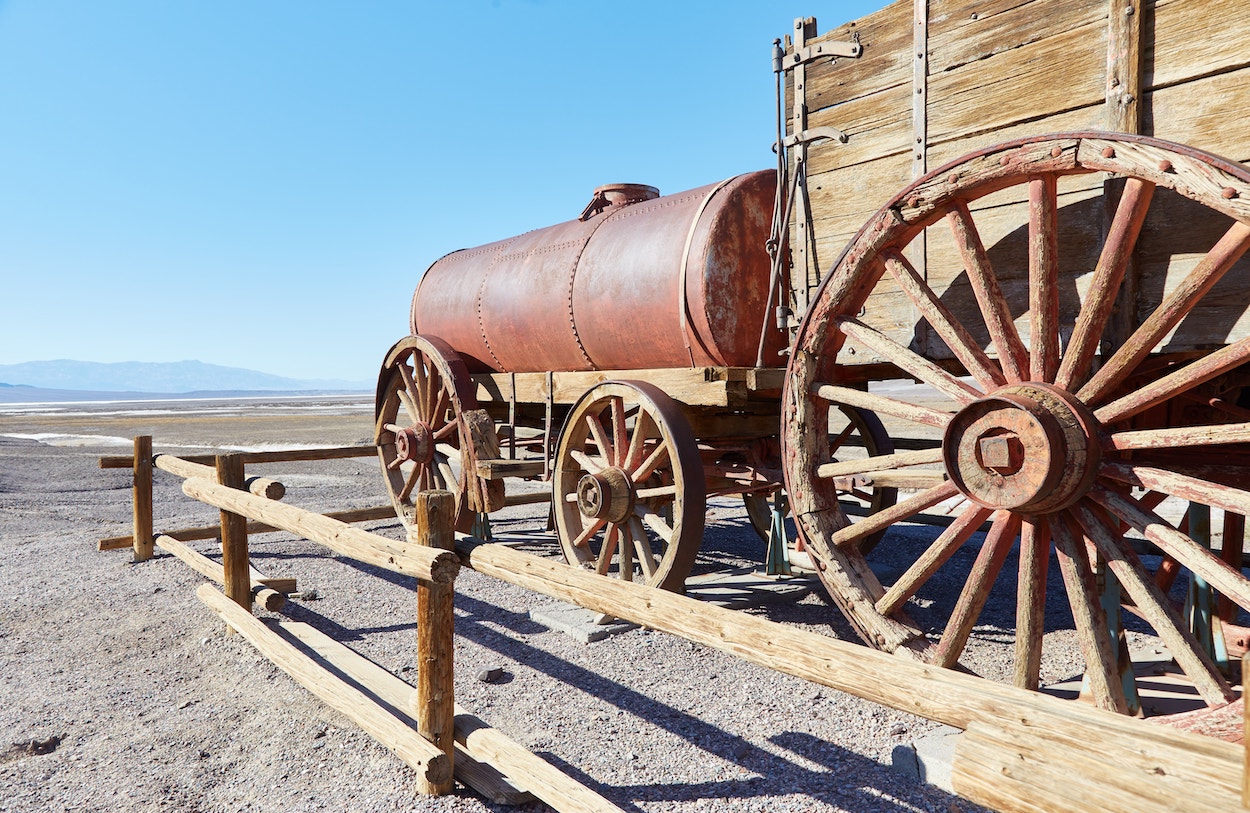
(434, 700)
(234, 536)
(141, 538)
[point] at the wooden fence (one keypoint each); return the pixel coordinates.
(1021, 751)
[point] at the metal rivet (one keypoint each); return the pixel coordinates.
(1055, 152)
(1004, 161)
(974, 15)
(1229, 193)
(1165, 165)
(1129, 11)
(954, 177)
(1108, 152)
(913, 202)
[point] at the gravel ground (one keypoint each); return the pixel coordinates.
(122, 692)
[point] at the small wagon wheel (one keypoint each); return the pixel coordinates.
(853, 434)
(423, 389)
(629, 486)
(1046, 432)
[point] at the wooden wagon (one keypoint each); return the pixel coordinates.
(1052, 328)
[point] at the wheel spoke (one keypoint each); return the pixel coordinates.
(644, 424)
(626, 549)
(949, 541)
(438, 411)
(446, 431)
(642, 545)
(1012, 354)
(653, 493)
(957, 338)
(588, 533)
(1031, 602)
(620, 440)
(655, 522)
(882, 405)
(1169, 386)
(601, 440)
(1117, 253)
(657, 458)
(1180, 436)
(414, 415)
(1175, 307)
(977, 589)
(879, 463)
(604, 560)
(895, 513)
(410, 482)
(416, 398)
(1178, 545)
(1179, 484)
(1092, 632)
(1155, 606)
(590, 464)
(1043, 278)
(908, 361)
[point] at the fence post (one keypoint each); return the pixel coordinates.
(234, 558)
(141, 532)
(434, 701)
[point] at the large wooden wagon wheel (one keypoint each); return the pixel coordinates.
(629, 486)
(1048, 425)
(853, 434)
(423, 389)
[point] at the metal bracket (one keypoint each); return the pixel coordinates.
(824, 50)
(814, 134)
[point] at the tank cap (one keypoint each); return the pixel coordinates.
(617, 194)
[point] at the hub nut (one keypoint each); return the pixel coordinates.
(608, 495)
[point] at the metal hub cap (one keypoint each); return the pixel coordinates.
(416, 444)
(608, 495)
(1025, 447)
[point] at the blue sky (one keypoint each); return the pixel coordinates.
(261, 184)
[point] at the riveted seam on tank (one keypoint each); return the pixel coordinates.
(568, 297)
(481, 323)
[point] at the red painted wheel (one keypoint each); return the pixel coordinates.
(629, 487)
(1061, 426)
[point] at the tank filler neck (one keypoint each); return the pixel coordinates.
(617, 194)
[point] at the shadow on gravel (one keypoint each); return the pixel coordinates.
(773, 775)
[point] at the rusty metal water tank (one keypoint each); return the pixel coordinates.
(639, 281)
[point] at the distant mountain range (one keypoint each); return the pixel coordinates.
(168, 378)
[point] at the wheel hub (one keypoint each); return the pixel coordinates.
(416, 444)
(609, 495)
(1024, 447)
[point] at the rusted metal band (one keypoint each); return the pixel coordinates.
(683, 301)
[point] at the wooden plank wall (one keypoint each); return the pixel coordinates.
(999, 69)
